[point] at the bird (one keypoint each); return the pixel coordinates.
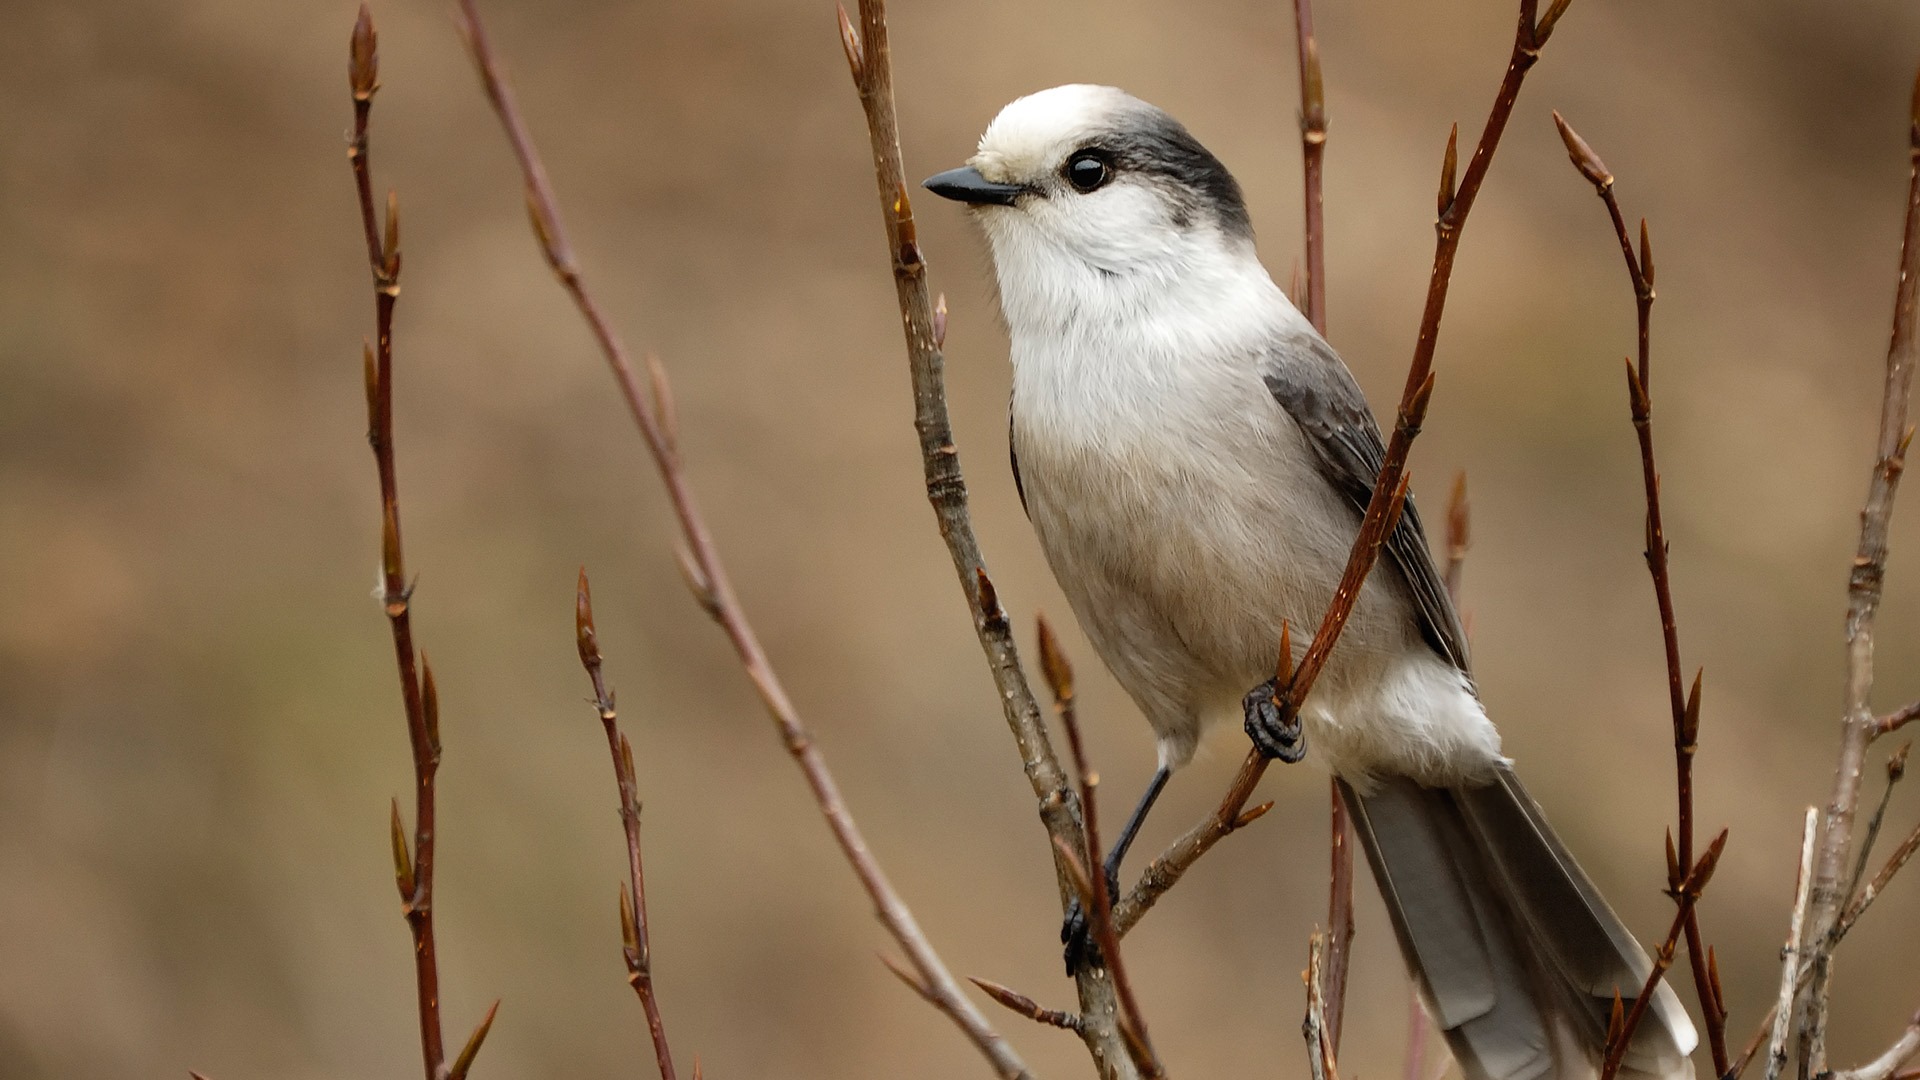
(1195, 459)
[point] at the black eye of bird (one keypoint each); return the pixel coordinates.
(1088, 170)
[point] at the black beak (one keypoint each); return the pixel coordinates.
(968, 186)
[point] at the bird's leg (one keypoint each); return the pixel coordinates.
(1274, 729)
(1074, 931)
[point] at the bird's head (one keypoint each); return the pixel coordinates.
(1085, 191)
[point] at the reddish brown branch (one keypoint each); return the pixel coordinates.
(1389, 489)
(1685, 706)
(707, 574)
(1859, 726)
(1687, 894)
(1897, 719)
(1026, 1006)
(1313, 148)
(413, 869)
(1099, 901)
(636, 941)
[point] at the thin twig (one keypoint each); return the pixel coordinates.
(1313, 148)
(1858, 724)
(714, 590)
(1896, 770)
(1026, 1006)
(1321, 1053)
(1059, 674)
(413, 870)
(1790, 979)
(1685, 706)
(1897, 719)
(869, 60)
(1687, 894)
(1389, 489)
(1901, 854)
(636, 940)
(1882, 1067)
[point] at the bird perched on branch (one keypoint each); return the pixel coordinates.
(1195, 460)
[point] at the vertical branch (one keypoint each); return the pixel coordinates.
(1858, 724)
(707, 575)
(1686, 895)
(636, 941)
(1313, 148)
(1320, 1048)
(870, 61)
(413, 870)
(1098, 900)
(1685, 706)
(1389, 489)
(1790, 969)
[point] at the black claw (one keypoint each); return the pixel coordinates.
(1076, 933)
(1275, 733)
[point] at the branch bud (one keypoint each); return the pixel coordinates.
(1582, 155)
(363, 57)
(1448, 167)
(1054, 664)
(467, 1053)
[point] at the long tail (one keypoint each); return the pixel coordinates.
(1515, 951)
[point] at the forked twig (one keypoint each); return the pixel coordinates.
(1685, 706)
(1687, 895)
(713, 588)
(1389, 489)
(636, 941)
(413, 869)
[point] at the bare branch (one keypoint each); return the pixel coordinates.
(413, 869)
(636, 941)
(1099, 901)
(1320, 1048)
(1882, 1067)
(1790, 955)
(1685, 706)
(719, 598)
(1898, 719)
(869, 59)
(1313, 148)
(1688, 894)
(1858, 724)
(1389, 489)
(1026, 1006)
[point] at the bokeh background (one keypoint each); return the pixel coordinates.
(199, 724)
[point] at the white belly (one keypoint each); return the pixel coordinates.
(1186, 532)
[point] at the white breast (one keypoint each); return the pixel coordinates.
(1186, 519)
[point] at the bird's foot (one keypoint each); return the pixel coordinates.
(1076, 934)
(1276, 731)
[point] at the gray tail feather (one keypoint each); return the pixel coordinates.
(1516, 954)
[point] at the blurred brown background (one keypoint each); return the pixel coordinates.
(199, 724)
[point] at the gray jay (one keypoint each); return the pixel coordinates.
(1195, 458)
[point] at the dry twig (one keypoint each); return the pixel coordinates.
(1687, 894)
(413, 870)
(869, 59)
(1026, 1006)
(1882, 1067)
(1389, 490)
(708, 576)
(636, 942)
(1320, 1048)
(1313, 148)
(1685, 706)
(1790, 971)
(1859, 726)
(1097, 900)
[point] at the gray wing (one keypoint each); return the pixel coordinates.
(1311, 383)
(1013, 459)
